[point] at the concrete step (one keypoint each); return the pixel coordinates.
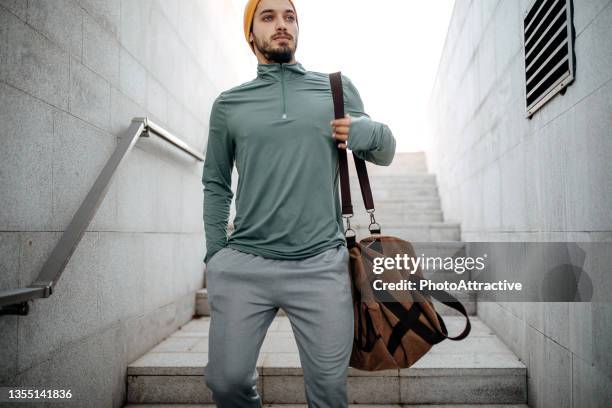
(398, 179)
(202, 308)
(382, 171)
(413, 203)
(477, 370)
(398, 217)
(403, 163)
(399, 167)
(422, 232)
(409, 157)
(399, 193)
(382, 193)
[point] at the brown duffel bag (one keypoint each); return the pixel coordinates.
(392, 329)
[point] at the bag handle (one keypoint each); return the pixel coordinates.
(335, 80)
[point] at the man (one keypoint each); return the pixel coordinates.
(288, 248)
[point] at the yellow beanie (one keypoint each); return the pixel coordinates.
(249, 11)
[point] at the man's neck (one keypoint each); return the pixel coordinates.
(263, 60)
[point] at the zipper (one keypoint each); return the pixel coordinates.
(283, 90)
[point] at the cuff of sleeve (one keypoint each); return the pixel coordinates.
(211, 252)
(361, 134)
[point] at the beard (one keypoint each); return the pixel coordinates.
(282, 54)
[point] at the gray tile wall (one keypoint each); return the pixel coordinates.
(507, 178)
(73, 74)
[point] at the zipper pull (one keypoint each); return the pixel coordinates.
(283, 90)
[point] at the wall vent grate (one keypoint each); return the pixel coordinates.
(549, 51)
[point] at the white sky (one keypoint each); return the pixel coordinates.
(390, 49)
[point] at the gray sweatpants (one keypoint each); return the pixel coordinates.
(244, 294)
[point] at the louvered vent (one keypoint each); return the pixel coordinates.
(549, 51)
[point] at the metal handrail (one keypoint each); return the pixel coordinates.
(15, 301)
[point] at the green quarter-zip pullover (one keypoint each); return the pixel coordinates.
(276, 130)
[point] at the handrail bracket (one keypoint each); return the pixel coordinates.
(20, 309)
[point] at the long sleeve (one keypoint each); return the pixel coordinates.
(369, 140)
(217, 179)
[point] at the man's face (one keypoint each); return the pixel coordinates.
(275, 31)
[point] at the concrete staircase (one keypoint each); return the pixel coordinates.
(478, 371)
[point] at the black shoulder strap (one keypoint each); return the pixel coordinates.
(345, 190)
(335, 80)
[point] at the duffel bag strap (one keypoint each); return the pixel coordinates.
(452, 302)
(335, 80)
(345, 190)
